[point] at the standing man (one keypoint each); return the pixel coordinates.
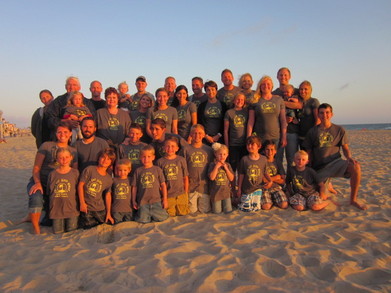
(89, 147)
(170, 86)
(55, 111)
(96, 90)
(323, 142)
(283, 76)
(197, 84)
(38, 129)
(141, 85)
(227, 93)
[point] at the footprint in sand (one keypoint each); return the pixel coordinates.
(273, 269)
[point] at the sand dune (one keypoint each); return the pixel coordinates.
(339, 249)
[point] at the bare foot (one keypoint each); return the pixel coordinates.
(359, 206)
(331, 189)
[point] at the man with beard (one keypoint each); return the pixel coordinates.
(96, 90)
(89, 147)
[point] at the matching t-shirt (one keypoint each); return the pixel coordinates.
(253, 172)
(174, 170)
(121, 196)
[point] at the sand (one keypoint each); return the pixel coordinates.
(339, 249)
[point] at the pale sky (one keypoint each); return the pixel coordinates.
(342, 47)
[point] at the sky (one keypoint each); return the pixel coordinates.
(342, 47)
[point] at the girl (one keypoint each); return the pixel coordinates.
(187, 111)
(164, 111)
(76, 110)
(62, 184)
(220, 174)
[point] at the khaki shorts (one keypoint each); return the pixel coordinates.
(178, 206)
(199, 202)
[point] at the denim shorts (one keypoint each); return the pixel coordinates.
(35, 200)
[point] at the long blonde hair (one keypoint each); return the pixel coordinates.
(258, 93)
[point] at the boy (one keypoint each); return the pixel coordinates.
(177, 177)
(132, 146)
(95, 183)
(120, 192)
(198, 156)
(302, 185)
(149, 189)
(252, 171)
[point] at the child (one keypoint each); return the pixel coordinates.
(274, 195)
(75, 110)
(149, 189)
(62, 184)
(121, 209)
(177, 177)
(252, 171)
(132, 146)
(124, 99)
(220, 175)
(198, 156)
(95, 183)
(302, 185)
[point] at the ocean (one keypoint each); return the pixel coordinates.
(379, 126)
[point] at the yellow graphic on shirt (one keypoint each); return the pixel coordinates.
(268, 108)
(271, 170)
(134, 156)
(228, 98)
(213, 112)
(122, 191)
(196, 102)
(80, 112)
(239, 120)
(113, 123)
(147, 179)
(162, 116)
(221, 178)
(298, 182)
(61, 188)
(94, 187)
(253, 173)
(182, 114)
(140, 120)
(198, 159)
(325, 139)
(171, 171)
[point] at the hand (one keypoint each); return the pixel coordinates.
(36, 187)
(283, 142)
(216, 138)
(83, 207)
(135, 206)
(109, 219)
(268, 185)
(209, 139)
(289, 119)
(352, 161)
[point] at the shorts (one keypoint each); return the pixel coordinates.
(274, 195)
(92, 219)
(36, 200)
(336, 168)
(179, 205)
(299, 200)
(122, 217)
(148, 212)
(223, 205)
(199, 202)
(65, 225)
(251, 202)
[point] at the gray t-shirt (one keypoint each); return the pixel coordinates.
(253, 171)
(213, 116)
(139, 118)
(325, 144)
(184, 118)
(306, 116)
(95, 187)
(132, 152)
(62, 194)
(77, 111)
(136, 100)
(121, 196)
(197, 160)
(219, 188)
(237, 126)
(88, 154)
(302, 182)
(198, 101)
(227, 96)
(148, 181)
(267, 117)
(167, 115)
(112, 128)
(275, 168)
(174, 171)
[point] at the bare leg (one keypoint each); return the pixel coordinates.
(331, 188)
(266, 206)
(35, 221)
(355, 179)
(283, 205)
(298, 208)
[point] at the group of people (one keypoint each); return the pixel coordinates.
(146, 157)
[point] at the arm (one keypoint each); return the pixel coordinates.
(193, 118)
(240, 182)
(279, 179)
(134, 194)
(230, 174)
(269, 181)
(213, 173)
(163, 188)
(294, 105)
(186, 184)
(174, 126)
(148, 127)
(39, 158)
(80, 191)
(283, 126)
(226, 131)
(250, 123)
(108, 208)
(348, 154)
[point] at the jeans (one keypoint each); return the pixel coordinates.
(292, 147)
(65, 225)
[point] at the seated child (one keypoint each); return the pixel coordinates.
(94, 184)
(198, 156)
(252, 172)
(274, 195)
(62, 184)
(220, 175)
(177, 178)
(121, 209)
(149, 189)
(75, 110)
(302, 185)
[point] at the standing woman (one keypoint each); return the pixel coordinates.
(245, 84)
(267, 116)
(45, 163)
(164, 111)
(308, 115)
(187, 111)
(211, 114)
(139, 115)
(112, 123)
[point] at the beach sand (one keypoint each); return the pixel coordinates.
(339, 249)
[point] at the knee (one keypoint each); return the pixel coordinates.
(266, 206)
(283, 205)
(298, 208)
